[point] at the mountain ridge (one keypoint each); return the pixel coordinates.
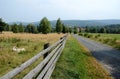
(79, 23)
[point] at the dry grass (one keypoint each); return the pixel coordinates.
(7, 32)
(33, 43)
(34, 37)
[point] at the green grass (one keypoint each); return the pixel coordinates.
(77, 63)
(110, 39)
(117, 36)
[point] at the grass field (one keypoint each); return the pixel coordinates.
(110, 39)
(77, 63)
(117, 36)
(33, 43)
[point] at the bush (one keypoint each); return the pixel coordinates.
(110, 40)
(75, 32)
(117, 46)
(81, 34)
(90, 36)
(100, 39)
(86, 34)
(113, 40)
(96, 36)
(107, 40)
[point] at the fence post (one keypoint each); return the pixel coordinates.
(61, 38)
(45, 47)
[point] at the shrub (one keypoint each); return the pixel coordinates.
(110, 40)
(96, 36)
(75, 32)
(81, 34)
(107, 40)
(100, 39)
(86, 34)
(117, 46)
(90, 36)
(113, 40)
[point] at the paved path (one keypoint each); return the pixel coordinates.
(106, 55)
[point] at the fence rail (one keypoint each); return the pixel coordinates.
(45, 68)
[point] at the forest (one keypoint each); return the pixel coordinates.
(45, 27)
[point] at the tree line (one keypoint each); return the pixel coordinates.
(114, 28)
(43, 27)
(46, 27)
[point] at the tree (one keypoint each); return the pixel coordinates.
(119, 30)
(70, 30)
(64, 29)
(53, 30)
(75, 30)
(35, 29)
(21, 28)
(103, 30)
(59, 26)
(93, 30)
(87, 29)
(15, 28)
(44, 26)
(30, 28)
(80, 30)
(7, 28)
(2, 25)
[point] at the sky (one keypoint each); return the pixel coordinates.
(35, 10)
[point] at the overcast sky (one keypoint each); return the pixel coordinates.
(35, 10)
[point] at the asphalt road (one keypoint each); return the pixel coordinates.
(106, 55)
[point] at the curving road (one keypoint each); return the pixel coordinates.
(106, 55)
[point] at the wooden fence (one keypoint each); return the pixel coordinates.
(45, 68)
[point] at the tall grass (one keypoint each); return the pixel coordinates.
(33, 43)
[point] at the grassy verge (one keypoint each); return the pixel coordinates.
(110, 39)
(117, 36)
(77, 63)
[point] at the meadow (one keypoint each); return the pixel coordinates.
(33, 44)
(76, 62)
(110, 39)
(105, 35)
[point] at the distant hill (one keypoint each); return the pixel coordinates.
(83, 23)
(24, 23)
(80, 23)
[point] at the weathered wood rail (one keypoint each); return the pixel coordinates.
(45, 68)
